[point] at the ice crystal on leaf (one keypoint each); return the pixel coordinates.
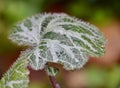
(58, 38)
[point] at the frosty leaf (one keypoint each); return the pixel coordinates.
(58, 38)
(16, 76)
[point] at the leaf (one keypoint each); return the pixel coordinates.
(51, 71)
(58, 38)
(53, 51)
(16, 76)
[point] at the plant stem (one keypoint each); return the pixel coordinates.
(52, 72)
(53, 82)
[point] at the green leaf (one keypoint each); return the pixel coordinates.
(58, 38)
(17, 75)
(51, 71)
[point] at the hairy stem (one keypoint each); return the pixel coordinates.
(53, 82)
(52, 72)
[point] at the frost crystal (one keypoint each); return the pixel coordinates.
(58, 38)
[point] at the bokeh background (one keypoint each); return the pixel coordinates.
(103, 72)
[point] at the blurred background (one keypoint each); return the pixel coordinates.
(103, 72)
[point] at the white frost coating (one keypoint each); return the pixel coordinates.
(58, 38)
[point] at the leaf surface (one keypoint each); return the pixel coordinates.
(58, 38)
(16, 76)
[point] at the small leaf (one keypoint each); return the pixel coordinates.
(51, 71)
(58, 38)
(17, 75)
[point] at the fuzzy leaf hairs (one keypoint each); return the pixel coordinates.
(17, 75)
(58, 38)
